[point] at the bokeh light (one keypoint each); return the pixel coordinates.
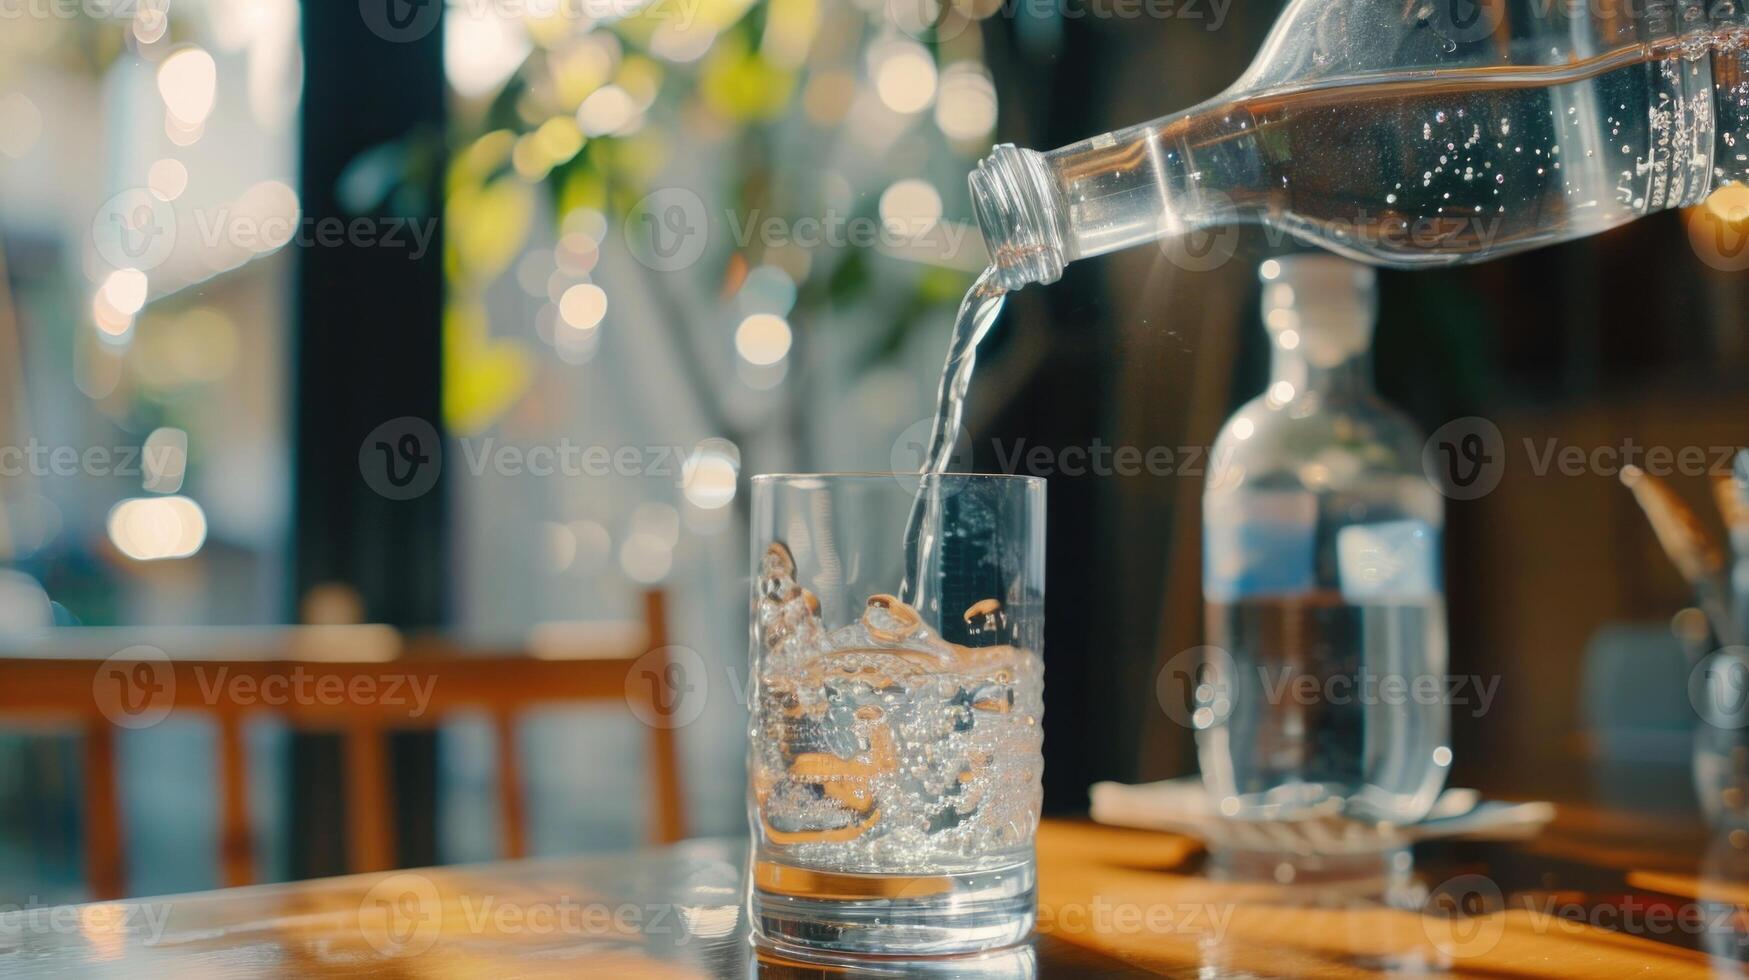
(762, 339)
(188, 83)
(164, 460)
(124, 291)
(583, 306)
(904, 76)
(710, 474)
(21, 125)
(167, 179)
(157, 528)
(911, 206)
(481, 48)
(609, 109)
(966, 108)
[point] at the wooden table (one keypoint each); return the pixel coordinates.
(1598, 895)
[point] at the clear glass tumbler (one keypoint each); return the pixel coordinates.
(894, 762)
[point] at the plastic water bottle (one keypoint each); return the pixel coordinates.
(1415, 133)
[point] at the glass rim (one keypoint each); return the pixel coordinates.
(850, 475)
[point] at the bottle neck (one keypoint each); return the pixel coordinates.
(1040, 211)
(1344, 381)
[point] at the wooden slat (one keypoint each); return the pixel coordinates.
(670, 824)
(236, 843)
(511, 815)
(62, 688)
(369, 831)
(104, 860)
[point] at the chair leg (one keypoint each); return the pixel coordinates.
(367, 800)
(236, 843)
(665, 787)
(666, 801)
(105, 869)
(511, 814)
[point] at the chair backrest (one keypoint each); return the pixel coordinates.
(312, 676)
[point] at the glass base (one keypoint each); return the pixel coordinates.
(807, 912)
(1365, 870)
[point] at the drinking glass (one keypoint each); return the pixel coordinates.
(896, 699)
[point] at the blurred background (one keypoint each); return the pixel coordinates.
(473, 321)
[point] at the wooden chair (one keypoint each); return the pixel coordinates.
(78, 674)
